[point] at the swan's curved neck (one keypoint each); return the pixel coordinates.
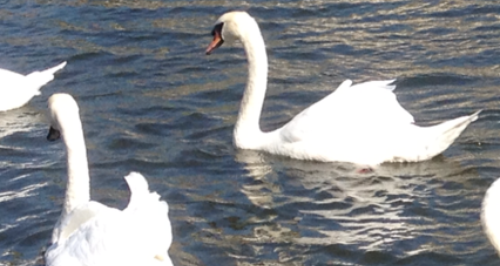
(78, 187)
(247, 132)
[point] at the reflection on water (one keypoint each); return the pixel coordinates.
(337, 206)
(152, 102)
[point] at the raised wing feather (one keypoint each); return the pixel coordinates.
(144, 203)
(348, 108)
(16, 89)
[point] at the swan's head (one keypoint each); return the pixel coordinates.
(62, 108)
(230, 27)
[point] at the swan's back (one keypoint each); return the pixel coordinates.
(138, 235)
(79, 216)
(106, 240)
(490, 216)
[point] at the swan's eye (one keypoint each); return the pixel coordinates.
(217, 29)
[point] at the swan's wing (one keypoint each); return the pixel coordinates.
(15, 82)
(350, 108)
(40, 78)
(139, 190)
(144, 203)
(13, 90)
(9, 77)
(16, 89)
(80, 215)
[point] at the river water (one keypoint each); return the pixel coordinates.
(152, 102)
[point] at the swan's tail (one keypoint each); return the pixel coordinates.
(149, 210)
(40, 78)
(428, 142)
(490, 217)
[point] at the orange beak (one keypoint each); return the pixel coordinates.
(216, 42)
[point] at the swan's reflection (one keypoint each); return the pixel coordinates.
(324, 204)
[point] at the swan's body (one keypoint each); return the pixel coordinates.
(362, 123)
(138, 235)
(490, 217)
(89, 233)
(16, 89)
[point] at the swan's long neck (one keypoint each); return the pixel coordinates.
(78, 187)
(247, 132)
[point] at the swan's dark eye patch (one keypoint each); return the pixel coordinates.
(217, 29)
(54, 134)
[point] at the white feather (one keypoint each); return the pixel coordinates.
(490, 217)
(16, 89)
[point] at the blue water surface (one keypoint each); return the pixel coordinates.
(152, 102)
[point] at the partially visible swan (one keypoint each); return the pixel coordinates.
(362, 123)
(16, 89)
(90, 233)
(490, 217)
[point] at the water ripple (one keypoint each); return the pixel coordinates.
(152, 102)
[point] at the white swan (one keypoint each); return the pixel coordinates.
(90, 233)
(363, 123)
(490, 217)
(16, 89)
